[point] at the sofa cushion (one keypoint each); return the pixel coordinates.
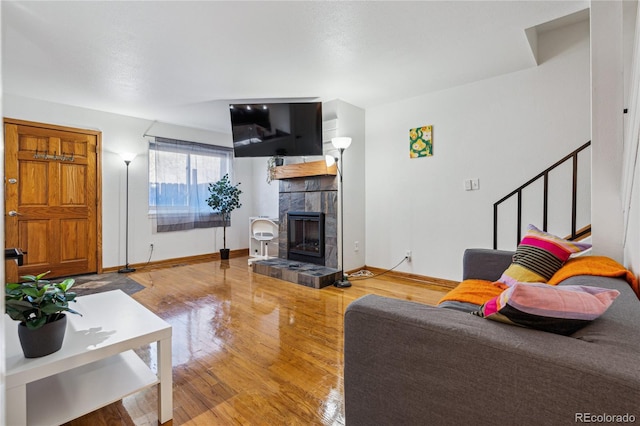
(538, 256)
(561, 310)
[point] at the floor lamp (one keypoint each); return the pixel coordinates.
(341, 143)
(128, 158)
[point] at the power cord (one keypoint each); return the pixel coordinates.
(148, 261)
(361, 273)
(365, 275)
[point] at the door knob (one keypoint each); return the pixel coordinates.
(13, 213)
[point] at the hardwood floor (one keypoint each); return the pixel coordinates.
(249, 349)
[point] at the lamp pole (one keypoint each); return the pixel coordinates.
(341, 144)
(127, 160)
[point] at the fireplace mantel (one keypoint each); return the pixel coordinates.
(312, 168)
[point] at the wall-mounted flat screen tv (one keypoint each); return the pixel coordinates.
(282, 129)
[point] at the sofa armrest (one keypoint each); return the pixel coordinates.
(485, 264)
(407, 363)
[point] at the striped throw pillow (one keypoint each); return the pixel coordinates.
(538, 256)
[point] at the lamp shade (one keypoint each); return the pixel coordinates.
(127, 156)
(341, 142)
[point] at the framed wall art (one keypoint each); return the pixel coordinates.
(421, 142)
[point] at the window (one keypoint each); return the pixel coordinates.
(179, 177)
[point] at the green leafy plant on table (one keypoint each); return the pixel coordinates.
(37, 302)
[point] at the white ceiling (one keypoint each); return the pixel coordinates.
(182, 62)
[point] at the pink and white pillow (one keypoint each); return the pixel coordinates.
(556, 309)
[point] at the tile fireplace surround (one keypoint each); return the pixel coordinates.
(311, 194)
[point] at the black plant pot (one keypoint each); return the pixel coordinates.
(224, 253)
(44, 340)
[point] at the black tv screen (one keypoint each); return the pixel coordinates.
(282, 129)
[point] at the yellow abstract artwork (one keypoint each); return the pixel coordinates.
(421, 142)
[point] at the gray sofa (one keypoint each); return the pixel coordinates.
(411, 364)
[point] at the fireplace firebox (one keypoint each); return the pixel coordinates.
(305, 234)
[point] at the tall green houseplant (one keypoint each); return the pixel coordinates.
(223, 199)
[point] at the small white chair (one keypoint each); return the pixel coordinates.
(264, 230)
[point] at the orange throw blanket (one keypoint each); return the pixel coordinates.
(474, 291)
(480, 291)
(595, 265)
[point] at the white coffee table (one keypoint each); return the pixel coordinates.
(95, 367)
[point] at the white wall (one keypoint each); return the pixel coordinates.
(607, 103)
(503, 131)
(264, 195)
(122, 133)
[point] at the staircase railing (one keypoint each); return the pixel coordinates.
(575, 234)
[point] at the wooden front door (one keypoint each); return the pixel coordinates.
(51, 198)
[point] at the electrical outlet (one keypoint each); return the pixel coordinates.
(407, 255)
(150, 246)
(356, 246)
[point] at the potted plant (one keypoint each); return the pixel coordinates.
(224, 198)
(39, 305)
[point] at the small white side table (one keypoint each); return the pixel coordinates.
(95, 367)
